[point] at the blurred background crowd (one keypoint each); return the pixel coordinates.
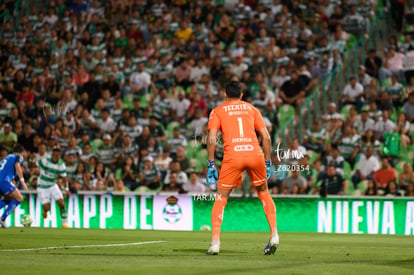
(125, 87)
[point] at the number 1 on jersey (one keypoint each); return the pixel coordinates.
(239, 119)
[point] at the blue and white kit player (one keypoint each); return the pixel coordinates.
(11, 166)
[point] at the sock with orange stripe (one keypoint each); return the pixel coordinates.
(269, 209)
(217, 217)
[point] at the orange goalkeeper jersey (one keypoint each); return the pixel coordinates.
(237, 120)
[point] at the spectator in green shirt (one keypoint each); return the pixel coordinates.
(150, 176)
(395, 91)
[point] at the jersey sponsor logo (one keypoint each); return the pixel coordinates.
(236, 107)
(260, 180)
(232, 113)
(238, 140)
(243, 148)
(228, 185)
(49, 174)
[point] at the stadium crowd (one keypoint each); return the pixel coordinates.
(124, 88)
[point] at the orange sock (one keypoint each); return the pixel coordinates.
(269, 209)
(217, 216)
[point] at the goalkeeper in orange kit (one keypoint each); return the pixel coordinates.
(238, 121)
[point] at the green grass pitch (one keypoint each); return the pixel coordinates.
(184, 253)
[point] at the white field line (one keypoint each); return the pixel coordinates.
(80, 246)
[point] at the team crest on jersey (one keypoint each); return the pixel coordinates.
(172, 212)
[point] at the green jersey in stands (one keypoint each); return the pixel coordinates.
(391, 144)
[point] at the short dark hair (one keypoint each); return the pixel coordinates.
(233, 89)
(18, 148)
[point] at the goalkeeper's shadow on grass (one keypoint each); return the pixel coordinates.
(108, 254)
(164, 253)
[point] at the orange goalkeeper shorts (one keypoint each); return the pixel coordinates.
(232, 170)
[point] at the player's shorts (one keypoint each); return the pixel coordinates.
(6, 187)
(232, 170)
(46, 194)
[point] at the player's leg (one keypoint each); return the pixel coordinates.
(229, 178)
(45, 209)
(44, 196)
(63, 213)
(15, 198)
(58, 197)
(257, 174)
(270, 212)
(6, 188)
(217, 219)
(268, 207)
(4, 202)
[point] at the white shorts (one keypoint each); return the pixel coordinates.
(46, 194)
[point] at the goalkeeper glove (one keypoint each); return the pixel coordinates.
(212, 174)
(268, 163)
